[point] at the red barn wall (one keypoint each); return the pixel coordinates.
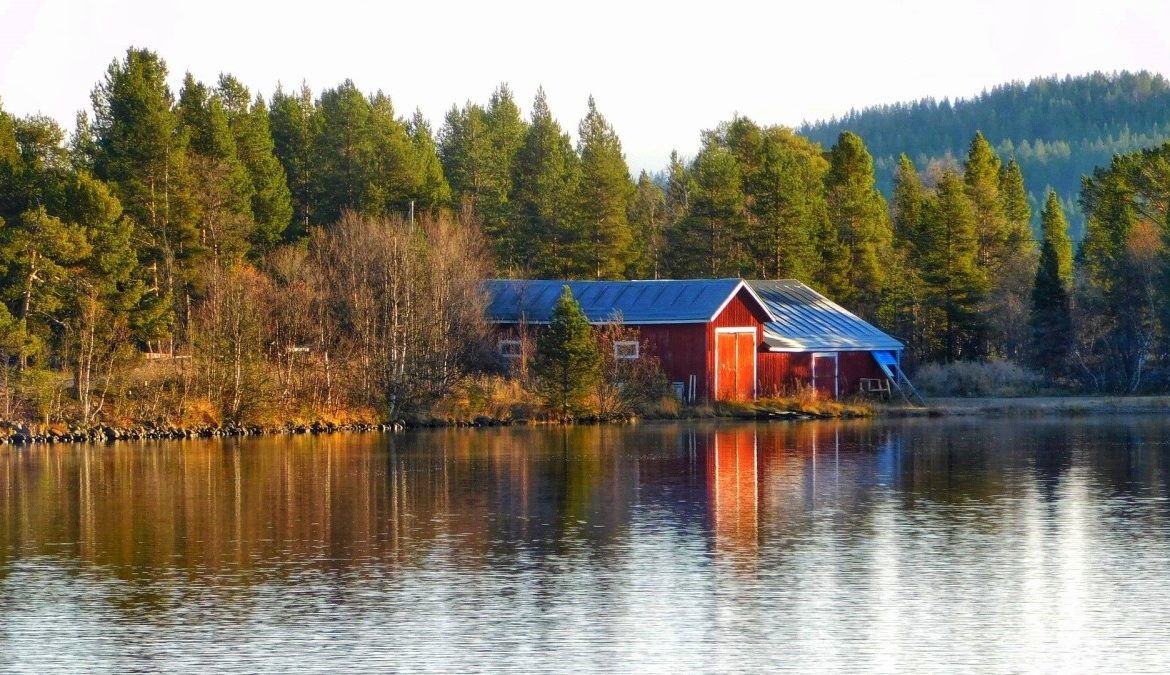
(780, 372)
(852, 366)
(681, 348)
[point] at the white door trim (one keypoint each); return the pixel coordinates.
(836, 370)
(755, 357)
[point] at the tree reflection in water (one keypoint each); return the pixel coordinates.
(760, 534)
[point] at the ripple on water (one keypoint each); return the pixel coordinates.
(901, 546)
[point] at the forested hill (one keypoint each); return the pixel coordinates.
(1058, 129)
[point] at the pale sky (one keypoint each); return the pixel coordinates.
(660, 71)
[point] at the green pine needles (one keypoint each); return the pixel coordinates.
(568, 361)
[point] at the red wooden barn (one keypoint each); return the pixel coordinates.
(718, 339)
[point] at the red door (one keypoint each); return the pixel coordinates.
(735, 366)
(733, 482)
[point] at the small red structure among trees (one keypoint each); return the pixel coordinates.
(716, 339)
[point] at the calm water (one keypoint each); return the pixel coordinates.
(923, 545)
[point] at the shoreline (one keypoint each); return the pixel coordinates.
(1032, 406)
(21, 434)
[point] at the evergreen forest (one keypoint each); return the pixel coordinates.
(1058, 129)
(213, 255)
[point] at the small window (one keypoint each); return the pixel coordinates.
(509, 349)
(626, 349)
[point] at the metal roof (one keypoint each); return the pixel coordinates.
(808, 321)
(638, 302)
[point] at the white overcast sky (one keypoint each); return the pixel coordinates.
(660, 71)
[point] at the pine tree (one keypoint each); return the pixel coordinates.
(567, 358)
(955, 287)
(38, 250)
(861, 223)
(1013, 268)
(342, 154)
(38, 243)
(981, 176)
(1018, 233)
(907, 206)
(389, 164)
(1051, 319)
(222, 189)
(142, 154)
(648, 220)
(464, 149)
(107, 308)
(9, 151)
(604, 194)
(504, 130)
(432, 191)
(1113, 298)
(272, 209)
(785, 193)
(544, 201)
(295, 121)
(711, 240)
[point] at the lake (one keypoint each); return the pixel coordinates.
(917, 545)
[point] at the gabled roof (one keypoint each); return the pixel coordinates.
(805, 320)
(638, 302)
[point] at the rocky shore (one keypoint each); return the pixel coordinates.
(26, 434)
(20, 434)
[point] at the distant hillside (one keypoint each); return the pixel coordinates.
(1057, 128)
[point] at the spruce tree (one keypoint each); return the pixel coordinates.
(1013, 268)
(680, 186)
(604, 195)
(568, 361)
(1014, 194)
(1051, 319)
(903, 309)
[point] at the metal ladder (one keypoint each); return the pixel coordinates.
(905, 387)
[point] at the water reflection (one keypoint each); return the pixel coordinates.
(921, 544)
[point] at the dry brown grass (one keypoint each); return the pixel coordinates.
(492, 396)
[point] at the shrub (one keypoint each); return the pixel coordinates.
(977, 378)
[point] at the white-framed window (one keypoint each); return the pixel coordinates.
(626, 349)
(509, 349)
